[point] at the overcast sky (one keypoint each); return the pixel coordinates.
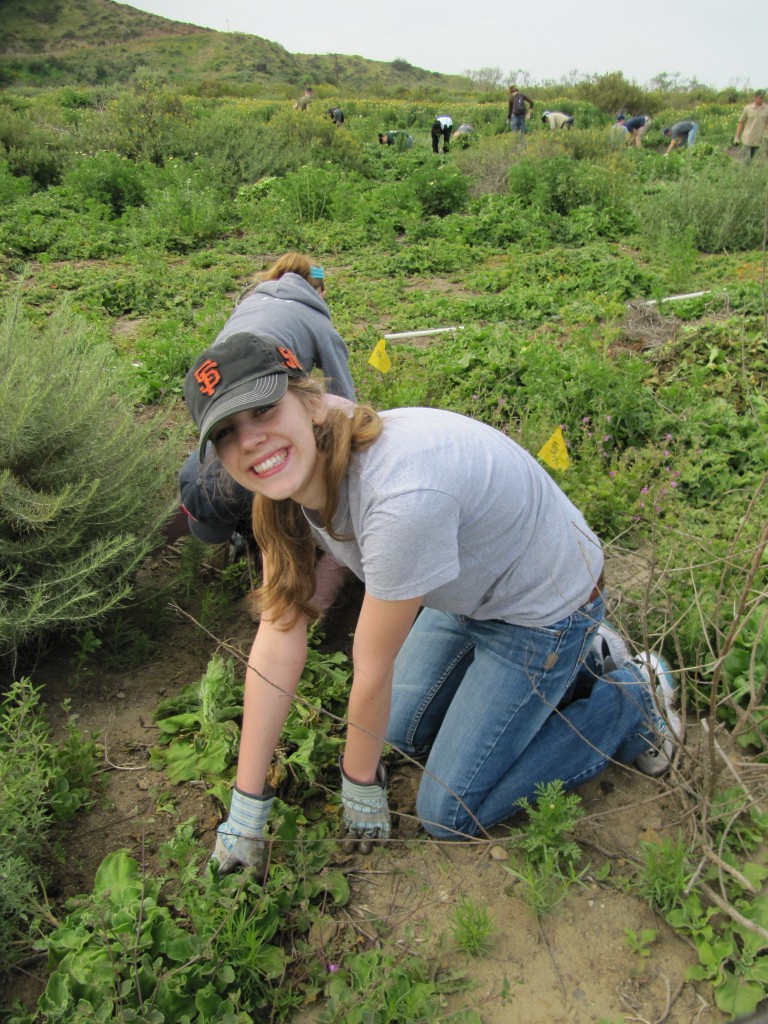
(719, 44)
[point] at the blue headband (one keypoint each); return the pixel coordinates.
(317, 273)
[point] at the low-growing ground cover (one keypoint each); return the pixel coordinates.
(553, 264)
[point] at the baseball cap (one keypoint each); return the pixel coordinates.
(246, 371)
(621, 117)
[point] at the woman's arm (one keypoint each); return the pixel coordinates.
(381, 629)
(275, 666)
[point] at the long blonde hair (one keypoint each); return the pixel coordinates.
(288, 263)
(281, 528)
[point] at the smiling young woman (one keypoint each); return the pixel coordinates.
(479, 643)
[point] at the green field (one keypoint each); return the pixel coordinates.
(132, 217)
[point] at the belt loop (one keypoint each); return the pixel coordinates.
(598, 588)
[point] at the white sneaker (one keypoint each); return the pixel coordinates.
(608, 650)
(668, 725)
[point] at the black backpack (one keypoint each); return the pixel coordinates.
(518, 104)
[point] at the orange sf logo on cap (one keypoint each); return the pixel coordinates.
(207, 376)
(290, 362)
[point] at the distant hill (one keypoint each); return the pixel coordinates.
(92, 42)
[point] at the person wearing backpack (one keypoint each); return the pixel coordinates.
(517, 110)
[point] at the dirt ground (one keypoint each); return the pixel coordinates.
(571, 965)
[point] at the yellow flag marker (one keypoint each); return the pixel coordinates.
(554, 452)
(379, 358)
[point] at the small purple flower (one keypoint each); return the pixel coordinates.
(606, 437)
(608, 418)
(332, 968)
(585, 419)
(612, 473)
(644, 490)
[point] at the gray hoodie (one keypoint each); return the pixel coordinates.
(290, 310)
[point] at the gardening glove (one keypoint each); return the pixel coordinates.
(240, 839)
(366, 812)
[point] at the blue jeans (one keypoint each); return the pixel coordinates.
(692, 134)
(517, 123)
(488, 702)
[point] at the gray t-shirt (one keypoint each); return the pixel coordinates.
(447, 508)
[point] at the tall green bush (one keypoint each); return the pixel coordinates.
(82, 484)
(721, 202)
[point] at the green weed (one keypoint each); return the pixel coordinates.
(548, 858)
(41, 783)
(472, 927)
(640, 943)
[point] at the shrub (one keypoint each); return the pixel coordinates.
(440, 190)
(12, 187)
(81, 483)
(113, 180)
(721, 202)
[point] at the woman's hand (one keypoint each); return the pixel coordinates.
(366, 811)
(240, 839)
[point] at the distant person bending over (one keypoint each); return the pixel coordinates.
(441, 129)
(401, 139)
(464, 135)
(336, 115)
(518, 108)
(482, 608)
(463, 129)
(287, 303)
(752, 126)
(637, 127)
(304, 100)
(556, 119)
(681, 134)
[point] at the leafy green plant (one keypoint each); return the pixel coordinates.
(41, 783)
(188, 945)
(548, 858)
(640, 942)
(744, 677)
(199, 733)
(200, 726)
(379, 987)
(554, 815)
